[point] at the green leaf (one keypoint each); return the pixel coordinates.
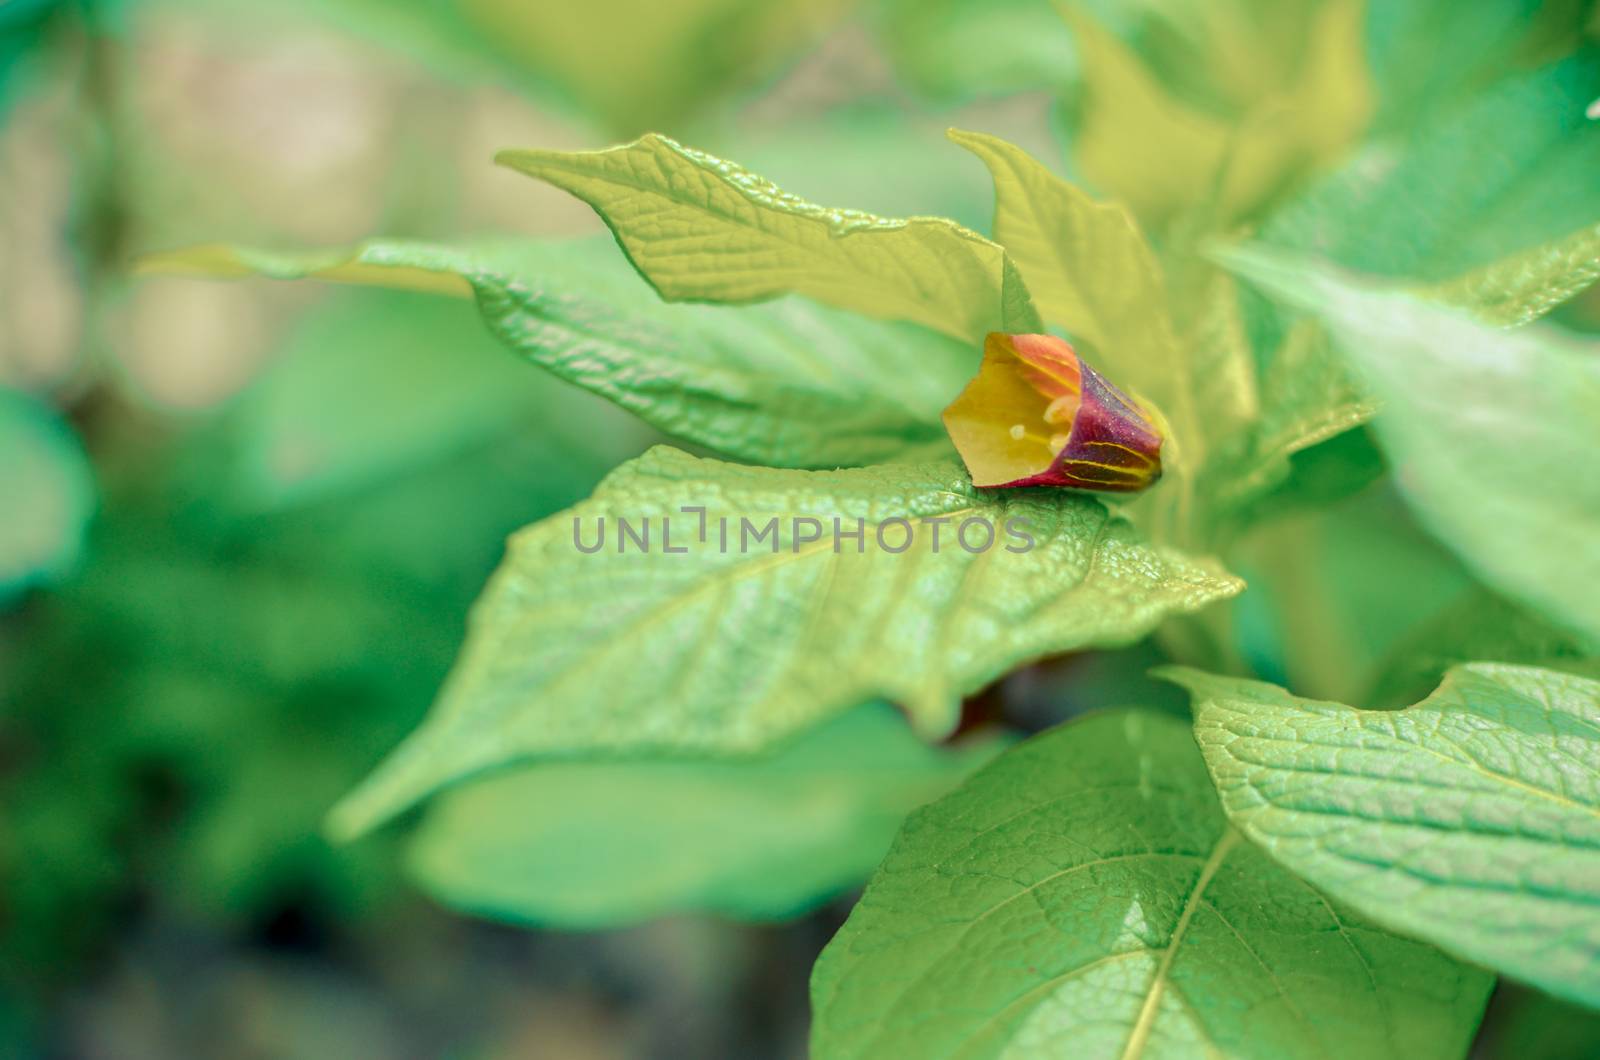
(1323, 474)
(1083, 895)
(791, 383)
(1089, 269)
(606, 843)
(1467, 223)
(46, 494)
(1462, 220)
(727, 649)
(1309, 393)
(421, 478)
(1430, 208)
(703, 229)
(1491, 434)
(1471, 819)
(1525, 286)
(1308, 397)
(1508, 171)
(1304, 397)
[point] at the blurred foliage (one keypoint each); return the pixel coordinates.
(1529, 533)
(956, 49)
(675, 54)
(46, 491)
(1477, 625)
(275, 592)
(632, 65)
(296, 437)
(1486, 41)
(599, 844)
(1229, 105)
(1322, 613)
(1534, 1026)
(20, 25)
(1439, 204)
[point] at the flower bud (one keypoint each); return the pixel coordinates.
(1037, 415)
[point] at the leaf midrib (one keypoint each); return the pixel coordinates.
(1139, 1036)
(910, 990)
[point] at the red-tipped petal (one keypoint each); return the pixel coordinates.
(1038, 415)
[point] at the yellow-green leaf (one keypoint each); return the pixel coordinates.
(700, 228)
(1471, 819)
(1085, 262)
(1293, 93)
(769, 623)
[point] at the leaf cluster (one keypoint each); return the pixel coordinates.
(1307, 262)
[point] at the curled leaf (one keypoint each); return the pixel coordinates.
(1038, 415)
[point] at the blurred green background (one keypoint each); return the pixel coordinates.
(241, 524)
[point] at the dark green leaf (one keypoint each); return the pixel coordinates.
(1083, 895)
(792, 383)
(1484, 40)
